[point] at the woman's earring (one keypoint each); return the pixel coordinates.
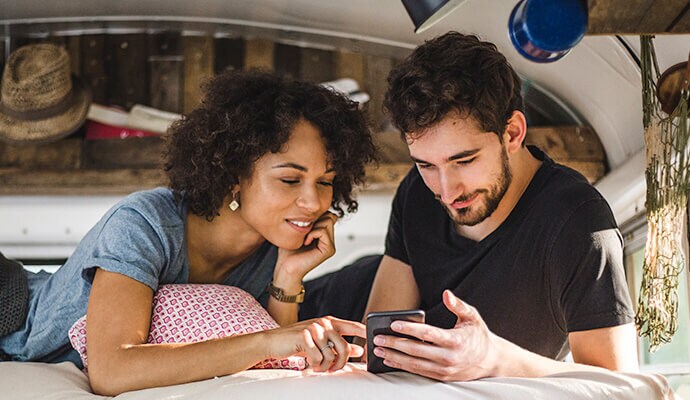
(234, 204)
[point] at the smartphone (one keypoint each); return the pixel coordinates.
(379, 323)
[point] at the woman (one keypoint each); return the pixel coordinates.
(253, 173)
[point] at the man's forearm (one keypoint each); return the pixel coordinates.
(518, 362)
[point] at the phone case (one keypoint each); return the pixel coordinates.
(378, 323)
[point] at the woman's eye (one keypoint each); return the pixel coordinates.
(326, 183)
(290, 181)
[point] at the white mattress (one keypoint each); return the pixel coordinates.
(65, 381)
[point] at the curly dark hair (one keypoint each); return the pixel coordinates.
(246, 114)
(453, 72)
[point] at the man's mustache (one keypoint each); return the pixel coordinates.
(462, 198)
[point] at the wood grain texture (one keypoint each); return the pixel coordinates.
(73, 45)
(349, 65)
(230, 53)
(259, 53)
(62, 154)
(198, 66)
(607, 17)
(93, 66)
(287, 60)
(165, 84)
(375, 83)
(567, 142)
(316, 65)
(78, 182)
(146, 152)
(127, 70)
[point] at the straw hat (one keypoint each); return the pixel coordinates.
(39, 100)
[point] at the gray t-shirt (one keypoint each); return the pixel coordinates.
(142, 237)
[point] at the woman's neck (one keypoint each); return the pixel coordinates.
(216, 247)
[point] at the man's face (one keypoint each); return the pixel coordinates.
(466, 168)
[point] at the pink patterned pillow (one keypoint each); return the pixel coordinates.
(188, 313)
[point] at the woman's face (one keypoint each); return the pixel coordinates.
(289, 190)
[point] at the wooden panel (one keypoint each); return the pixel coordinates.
(93, 66)
(2, 57)
(62, 154)
(166, 71)
(165, 87)
(576, 147)
(567, 142)
(386, 176)
(198, 66)
(127, 69)
(661, 16)
(636, 16)
(20, 41)
(391, 147)
(317, 65)
(375, 83)
(682, 25)
(56, 40)
(287, 59)
(73, 45)
(123, 153)
(78, 182)
(592, 170)
(258, 54)
(229, 54)
(165, 44)
(349, 65)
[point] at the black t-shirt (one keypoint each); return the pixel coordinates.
(554, 266)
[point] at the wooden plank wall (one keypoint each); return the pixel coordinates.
(165, 70)
(608, 17)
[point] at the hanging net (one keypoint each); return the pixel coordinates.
(667, 156)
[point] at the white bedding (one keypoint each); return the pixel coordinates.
(65, 381)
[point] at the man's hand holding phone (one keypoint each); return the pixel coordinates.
(379, 325)
(465, 352)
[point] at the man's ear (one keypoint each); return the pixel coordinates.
(515, 132)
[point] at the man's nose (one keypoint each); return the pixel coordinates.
(450, 187)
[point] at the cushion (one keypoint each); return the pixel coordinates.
(188, 313)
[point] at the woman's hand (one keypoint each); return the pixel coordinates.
(320, 340)
(319, 245)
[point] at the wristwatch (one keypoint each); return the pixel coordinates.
(280, 295)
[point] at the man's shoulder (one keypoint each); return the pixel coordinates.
(566, 190)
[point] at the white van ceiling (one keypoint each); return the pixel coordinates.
(599, 78)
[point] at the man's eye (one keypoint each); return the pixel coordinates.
(424, 166)
(465, 162)
(290, 181)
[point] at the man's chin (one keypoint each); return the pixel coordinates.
(467, 218)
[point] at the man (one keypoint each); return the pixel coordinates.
(528, 251)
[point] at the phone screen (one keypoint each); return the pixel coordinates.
(379, 323)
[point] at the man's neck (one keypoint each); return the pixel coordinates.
(523, 167)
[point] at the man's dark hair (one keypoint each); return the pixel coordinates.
(453, 72)
(244, 115)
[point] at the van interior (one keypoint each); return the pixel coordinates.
(144, 61)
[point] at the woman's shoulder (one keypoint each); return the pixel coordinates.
(156, 205)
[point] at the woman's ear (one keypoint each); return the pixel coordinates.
(515, 132)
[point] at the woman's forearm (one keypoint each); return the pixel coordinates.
(151, 365)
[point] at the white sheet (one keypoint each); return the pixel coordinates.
(20, 381)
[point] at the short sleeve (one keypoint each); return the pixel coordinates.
(129, 245)
(587, 276)
(395, 237)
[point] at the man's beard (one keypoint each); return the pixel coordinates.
(476, 212)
